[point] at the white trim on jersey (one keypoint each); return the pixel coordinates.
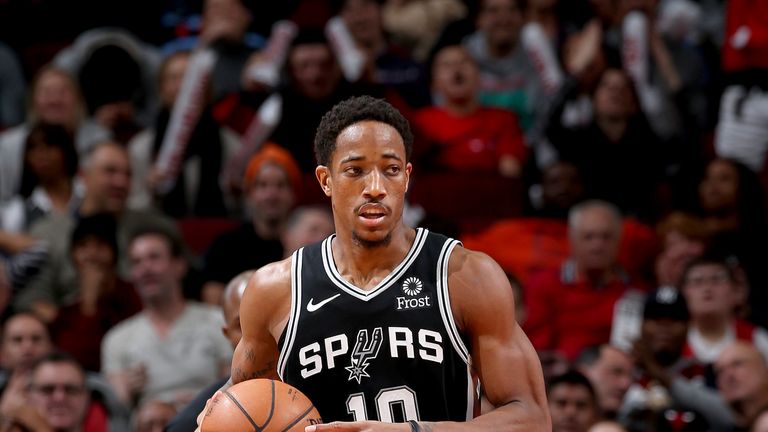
(444, 300)
(470, 394)
(293, 319)
(365, 295)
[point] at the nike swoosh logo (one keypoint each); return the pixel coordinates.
(311, 307)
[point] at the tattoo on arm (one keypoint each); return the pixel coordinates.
(250, 355)
(240, 376)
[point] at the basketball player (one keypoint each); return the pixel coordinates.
(381, 323)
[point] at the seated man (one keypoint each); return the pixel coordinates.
(572, 403)
(61, 397)
(172, 349)
(742, 379)
(610, 370)
(667, 384)
(571, 308)
(458, 134)
(713, 292)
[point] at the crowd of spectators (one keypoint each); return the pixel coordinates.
(610, 155)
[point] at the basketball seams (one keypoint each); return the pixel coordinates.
(259, 391)
(271, 405)
(299, 418)
(242, 410)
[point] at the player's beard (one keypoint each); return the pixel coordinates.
(372, 244)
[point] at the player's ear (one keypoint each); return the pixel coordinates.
(408, 169)
(324, 178)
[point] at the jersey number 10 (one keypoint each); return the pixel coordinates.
(386, 402)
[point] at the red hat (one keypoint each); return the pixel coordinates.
(275, 154)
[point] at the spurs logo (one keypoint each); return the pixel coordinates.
(364, 351)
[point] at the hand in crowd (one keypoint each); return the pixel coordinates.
(16, 413)
(93, 279)
(585, 47)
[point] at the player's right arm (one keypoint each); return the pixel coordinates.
(264, 311)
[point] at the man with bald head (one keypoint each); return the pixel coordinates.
(611, 371)
(571, 308)
(233, 292)
(742, 379)
(106, 174)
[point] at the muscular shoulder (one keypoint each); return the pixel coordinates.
(272, 279)
(268, 294)
(468, 269)
(478, 287)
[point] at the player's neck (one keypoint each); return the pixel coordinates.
(366, 266)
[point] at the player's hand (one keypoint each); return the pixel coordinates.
(366, 426)
(205, 410)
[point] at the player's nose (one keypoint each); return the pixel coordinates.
(374, 185)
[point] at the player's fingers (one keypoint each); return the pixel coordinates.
(205, 410)
(334, 426)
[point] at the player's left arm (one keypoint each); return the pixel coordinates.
(484, 307)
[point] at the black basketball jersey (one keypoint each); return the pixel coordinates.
(392, 353)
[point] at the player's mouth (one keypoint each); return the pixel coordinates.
(372, 214)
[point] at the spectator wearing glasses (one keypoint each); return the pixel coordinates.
(713, 293)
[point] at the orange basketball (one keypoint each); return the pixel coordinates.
(260, 404)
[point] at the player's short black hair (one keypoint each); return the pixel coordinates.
(351, 111)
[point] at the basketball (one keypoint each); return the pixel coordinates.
(260, 404)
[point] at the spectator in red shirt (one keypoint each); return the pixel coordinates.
(458, 134)
(571, 308)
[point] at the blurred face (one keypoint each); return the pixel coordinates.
(55, 99)
(59, 394)
(155, 272)
(595, 239)
(94, 252)
(363, 18)
(170, 80)
(718, 191)
(25, 340)
(665, 337)
(561, 186)
(107, 179)
(455, 75)
(271, 195)
(607, 426)
(611, 375)
(228, 19)
(46, 161)
(572, 408)
(367, 180)
(500, 21)
(742, 374)
(709, 291)
(314, 70)
(613, 96)
(312, 227)
(154, 416)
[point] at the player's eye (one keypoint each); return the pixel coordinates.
(393, 169)
(353, 171)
